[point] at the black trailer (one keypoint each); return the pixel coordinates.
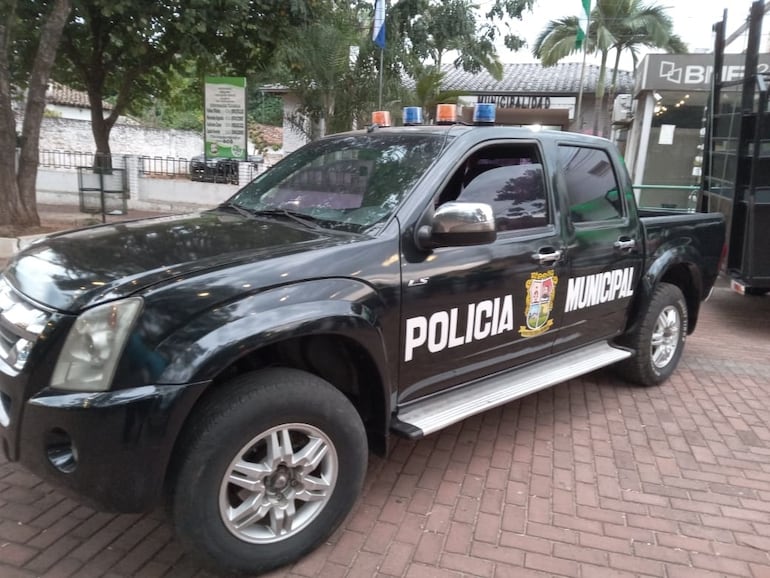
(736, 160)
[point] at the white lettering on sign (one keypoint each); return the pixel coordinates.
(700, 74)
(446, 329)
(591, 290)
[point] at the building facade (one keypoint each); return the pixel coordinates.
(665, 140)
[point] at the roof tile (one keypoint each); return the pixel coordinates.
(562, 78)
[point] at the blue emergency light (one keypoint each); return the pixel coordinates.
(484, 113)
(412, 115)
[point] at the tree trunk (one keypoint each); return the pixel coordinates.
(598, 108)
(9, 192)
(613, 92)
(18, 192)
(101, 128)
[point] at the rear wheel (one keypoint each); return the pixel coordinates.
(658, 340)
(272, 465)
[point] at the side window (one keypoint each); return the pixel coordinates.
(516, 194)
(592, 189)
(510, 179)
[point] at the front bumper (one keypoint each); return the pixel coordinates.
(110, 450)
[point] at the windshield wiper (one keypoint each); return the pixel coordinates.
(241, 210)
(301, 218)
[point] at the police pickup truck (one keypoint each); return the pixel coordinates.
(238, 364)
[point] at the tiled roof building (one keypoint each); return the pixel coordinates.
(66, 96)
(560, 79)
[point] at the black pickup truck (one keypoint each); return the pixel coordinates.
(239, 363)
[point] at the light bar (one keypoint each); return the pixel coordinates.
(484, 113)
(381, 117)
(446, 114)
(412, 115)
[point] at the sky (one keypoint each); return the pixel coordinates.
(693, 21)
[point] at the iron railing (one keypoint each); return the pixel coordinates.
(221, 171)
(678, 197)
(57, 159)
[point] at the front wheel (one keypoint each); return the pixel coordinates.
(271, 465)
(658, 340)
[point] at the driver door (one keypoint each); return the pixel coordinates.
(469, 312)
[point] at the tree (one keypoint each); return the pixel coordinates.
(645, 25)
(18, 192)
(451, 26)
(428, 92)
(316, 63)
(615, 25)
(337, 90)
(124, 50)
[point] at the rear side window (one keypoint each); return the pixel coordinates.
(592, 188)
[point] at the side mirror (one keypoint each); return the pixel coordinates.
(458, 224)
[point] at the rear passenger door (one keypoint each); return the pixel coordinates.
(605, 248)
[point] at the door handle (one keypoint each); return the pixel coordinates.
(625, 244)
(545, 258)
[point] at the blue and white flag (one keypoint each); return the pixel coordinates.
(378, 31)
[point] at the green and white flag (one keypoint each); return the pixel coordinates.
(583, 21)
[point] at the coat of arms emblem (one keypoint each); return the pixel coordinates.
(541, 291)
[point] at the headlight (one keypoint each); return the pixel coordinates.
(94, 344)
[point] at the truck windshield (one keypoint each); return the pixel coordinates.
(350, 182)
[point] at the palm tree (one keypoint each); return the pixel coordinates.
(427, 91)
(645, 25)
(618, 25)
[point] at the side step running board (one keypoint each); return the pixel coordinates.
(439, 411)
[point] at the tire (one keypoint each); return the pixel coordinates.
(658, 340)
(272, 464)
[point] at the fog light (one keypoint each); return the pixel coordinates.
(61, 451)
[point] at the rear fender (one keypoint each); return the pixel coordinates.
(675, 265)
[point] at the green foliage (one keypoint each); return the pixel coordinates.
(178, 107)
(264, 108)
(132, 52)
(333, 86)
(617, 25)
(337, 90)
(428, 92)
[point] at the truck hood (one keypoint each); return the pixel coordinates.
(75, 269)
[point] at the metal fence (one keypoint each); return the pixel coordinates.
(57, 159)
(197, 168)
(164, 167)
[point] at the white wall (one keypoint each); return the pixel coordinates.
(69, 112)
(61, 187)
(292, 138)
(67, 134)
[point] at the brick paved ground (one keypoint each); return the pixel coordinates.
(592, 478)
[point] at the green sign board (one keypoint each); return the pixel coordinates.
(225, 117)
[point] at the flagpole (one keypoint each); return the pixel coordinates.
(379, 102)
(378, 36)
(579, 112)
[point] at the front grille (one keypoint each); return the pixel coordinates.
(20, 324)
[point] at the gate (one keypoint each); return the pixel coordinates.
(103, 190)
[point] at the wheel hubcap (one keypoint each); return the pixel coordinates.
(665, 337)
(278, 483)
